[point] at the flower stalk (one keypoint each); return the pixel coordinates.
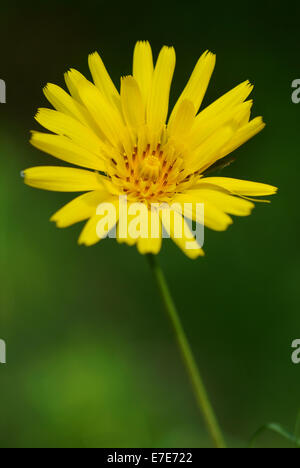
(200, 392)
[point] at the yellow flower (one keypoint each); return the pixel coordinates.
(128, 147)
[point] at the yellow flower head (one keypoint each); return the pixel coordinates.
(130, 148)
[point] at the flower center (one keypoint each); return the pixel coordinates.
(150, 168)
(150, 172)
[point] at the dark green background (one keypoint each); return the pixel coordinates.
(91, 357)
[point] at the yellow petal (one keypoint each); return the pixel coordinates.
(63, 102)
(197, 85)
(219, 109)
(183, 119)
(90, 234)
(62, 179)
(123, 231)
(240, 187)
(177, 224)
(75, 82)
(143, 68)
(62, 124)
(132, 103)
(233, 97)
(214, 217)
(147, 241)
(147, 246)
(233, 116)
(74, 79)
(102, 79)
(242, 114)
(105, 115)
(63, 148)
(243, 134)
(223, 201)
(211, 149)
(125, 240)
(158, 104)
(79, 209)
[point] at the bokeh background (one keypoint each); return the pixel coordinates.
(91, 358)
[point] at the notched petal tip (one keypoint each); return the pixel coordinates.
(194, 253)
(247, 83)
(40, 111)
(24, 175)
(260, 120)
(94, 54)
(33, 136)
(55, 219)
(49, 87)
(142, 42)
(169, 49)
(128, 78)
(85, 243)
(209, 55)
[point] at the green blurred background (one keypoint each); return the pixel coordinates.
(91, 358)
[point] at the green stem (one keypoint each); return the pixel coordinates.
(187, 355)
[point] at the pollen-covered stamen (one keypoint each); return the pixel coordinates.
(150, 168)
(151, 171)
